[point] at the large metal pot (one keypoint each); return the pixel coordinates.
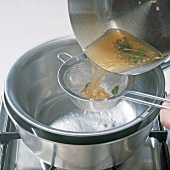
(35, 102)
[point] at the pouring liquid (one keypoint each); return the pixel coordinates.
(119, 51)
(93, 89)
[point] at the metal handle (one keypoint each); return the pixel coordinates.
(165, 64)
(60, 55)
(145, 102)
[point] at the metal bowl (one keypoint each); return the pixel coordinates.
(56, 131)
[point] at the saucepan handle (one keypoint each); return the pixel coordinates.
(165, 64)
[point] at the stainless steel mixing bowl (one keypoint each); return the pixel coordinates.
(57, 131)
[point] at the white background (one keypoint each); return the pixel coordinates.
(27, 23)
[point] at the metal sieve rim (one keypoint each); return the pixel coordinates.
(70, 62)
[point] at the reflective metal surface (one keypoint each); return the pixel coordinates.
(32, 90)
(44, 115)
(73, 76)
(147, 158)
(8, 151)
(147, 20)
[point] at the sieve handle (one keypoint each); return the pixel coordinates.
(145, 102)
(63, 57)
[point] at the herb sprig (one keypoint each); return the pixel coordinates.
(115, 90)
(133, 55)
(86, 87)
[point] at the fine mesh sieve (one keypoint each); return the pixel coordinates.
(76, 72)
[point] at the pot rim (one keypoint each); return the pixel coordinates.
(61, 138)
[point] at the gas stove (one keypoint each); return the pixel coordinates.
(154, 155)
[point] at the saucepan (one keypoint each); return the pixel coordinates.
(61, 134)
(147, 20)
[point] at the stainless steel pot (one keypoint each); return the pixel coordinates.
(44, 114)
(147, 19)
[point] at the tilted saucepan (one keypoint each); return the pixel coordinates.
(147, 19)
